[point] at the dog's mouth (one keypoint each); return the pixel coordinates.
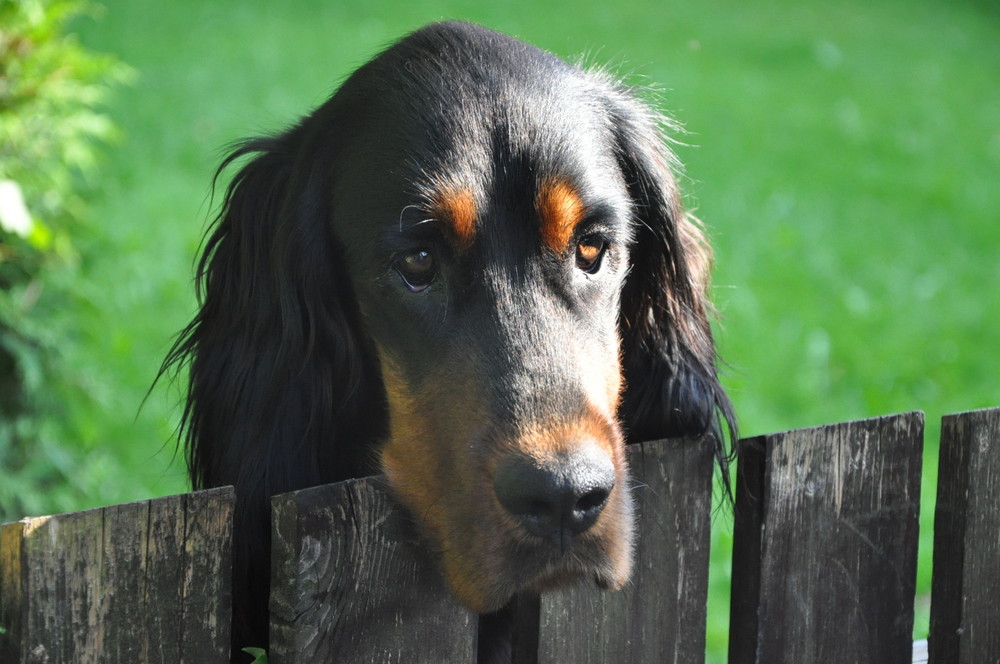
(486, 577)
(545, 567)
(526, 526)
(510, 507)
(540, 526)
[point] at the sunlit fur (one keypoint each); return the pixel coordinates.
(312, 361)
(457, 209)
(560, 211)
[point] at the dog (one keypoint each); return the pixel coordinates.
(470, 269)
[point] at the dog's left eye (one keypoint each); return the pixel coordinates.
(589, 253)
(417, 268)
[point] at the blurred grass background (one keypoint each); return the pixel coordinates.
(845, 158)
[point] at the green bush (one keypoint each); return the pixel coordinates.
(51, 124)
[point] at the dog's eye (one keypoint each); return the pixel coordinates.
(589, 252)
(417, 269)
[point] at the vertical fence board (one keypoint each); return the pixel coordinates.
(207, 576)
(80, 587)
(163, 582)
(965, 621)
(837, 521)
(62, 556)
(660, 615)
(12, 581)
(348, 584)
(123, 547)
(745, 586)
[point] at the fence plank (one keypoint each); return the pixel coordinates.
(206, 607)
(660, 616)
(100, 585)
(965, 622)
(832, 577)
(747, 542)
(350, 584)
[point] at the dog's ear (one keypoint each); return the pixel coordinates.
(283, 391)
(278, 361)
(668, 353)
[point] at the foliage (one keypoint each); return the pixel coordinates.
(51, 93)
(259, 655)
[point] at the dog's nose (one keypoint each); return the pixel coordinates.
(559, 498)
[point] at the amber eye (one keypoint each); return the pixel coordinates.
(417, 269)
(589, 252)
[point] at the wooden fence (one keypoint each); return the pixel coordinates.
(824, 566)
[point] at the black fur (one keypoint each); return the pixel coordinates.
(286, 386)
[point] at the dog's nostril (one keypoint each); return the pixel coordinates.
(564, 496)
(592, 500)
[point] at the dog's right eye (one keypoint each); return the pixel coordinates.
(417, 269)
(589, 252)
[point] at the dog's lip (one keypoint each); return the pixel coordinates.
(605, 582)
(548, 567)
(557, 577)
(534, 577)
(563, 577)
(535, 564)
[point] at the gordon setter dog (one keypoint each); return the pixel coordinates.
(469, 270)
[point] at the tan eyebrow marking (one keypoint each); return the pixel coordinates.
(560, 210)
(457, 208)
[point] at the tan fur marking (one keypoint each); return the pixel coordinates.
(560, 209)
(457, 207)
(441, 468)
(545, 441)
(411, 471)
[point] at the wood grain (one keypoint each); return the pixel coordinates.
(660, 615)
(965, 619)
(120, 584)
(350, 583)
(831, 576)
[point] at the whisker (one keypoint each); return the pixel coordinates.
(403, 211)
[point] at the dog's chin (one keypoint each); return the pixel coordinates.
(557, 579)
(493, 597)
(487, 585)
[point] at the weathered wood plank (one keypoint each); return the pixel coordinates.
(62, 558)
(12, 582)
(835, 510)
(747, 541)
(122, 550)
(164, 578)
(660, 615)
(102, 585)
(206, 607)
(349, 583)
(965, 621)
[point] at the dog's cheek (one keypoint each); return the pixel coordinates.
(620, 520)
(599, 364)
(413, 470)
(616, 527)
(476, 583)
(439, 480)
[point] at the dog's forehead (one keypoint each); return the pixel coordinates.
(477, 130)
(491, 121)
(463, 92)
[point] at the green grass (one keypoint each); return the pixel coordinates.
(844, 157)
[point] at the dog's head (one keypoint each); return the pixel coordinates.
(474, 258)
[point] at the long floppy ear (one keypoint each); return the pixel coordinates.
(668, 353)
(281, 394)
